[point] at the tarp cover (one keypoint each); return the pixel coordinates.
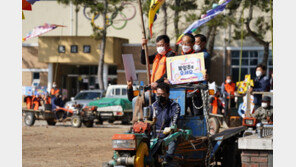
(106, 102)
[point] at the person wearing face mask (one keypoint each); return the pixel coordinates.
(53, 93)
(261, 84)
(228, 89)
(264, 113)
(187, 43)
(166, 112)
(200, 46)
(158, 60)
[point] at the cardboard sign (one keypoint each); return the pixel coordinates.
(129, 67)
(186, 68)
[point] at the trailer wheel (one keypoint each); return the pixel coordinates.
(29, 119)
(51, 122)
(214, 125)
(88, 123)
(111, 121)
(76, 121)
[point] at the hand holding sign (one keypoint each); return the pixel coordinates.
(186, 68)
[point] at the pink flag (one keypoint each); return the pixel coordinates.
(37, 31)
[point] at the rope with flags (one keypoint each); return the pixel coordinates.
(217, 9)
(154, 8)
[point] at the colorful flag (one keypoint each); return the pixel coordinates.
(210, 14)
(32, 1)
(37, 31)
(154, 7)
(26, 5)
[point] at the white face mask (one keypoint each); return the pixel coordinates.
(258, 73)
(264, 105)
(160, 50)
(54, 86)
(196, 48)
(228, 80)
(186, 48)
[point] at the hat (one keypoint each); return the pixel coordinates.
(266, 98)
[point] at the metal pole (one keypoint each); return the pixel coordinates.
(241, 51)
(145, 49)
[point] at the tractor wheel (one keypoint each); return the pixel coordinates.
(76, 121)
(214, 125)
(142, 152)
(29, 119)
(51, 122)
(88, 124)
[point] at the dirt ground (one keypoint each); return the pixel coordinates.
(64, 146)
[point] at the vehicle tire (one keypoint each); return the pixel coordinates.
(214, 126)
(126, 120)
(111, 121)
(76, 121)
(105, 164)
(88, 123)
(29, 119)
(231, 155)
(99, 122)
(51, 122)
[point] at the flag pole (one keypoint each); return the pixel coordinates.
(145, 49)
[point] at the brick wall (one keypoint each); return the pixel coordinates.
(256, 158)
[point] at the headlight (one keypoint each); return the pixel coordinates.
(124, 144)
(249, 122)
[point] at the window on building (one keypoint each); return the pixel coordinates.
(250, 59)
(74, 49)
(61, 49)
(36, 75)
(86, 48)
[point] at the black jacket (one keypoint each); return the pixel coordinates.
(151, 59)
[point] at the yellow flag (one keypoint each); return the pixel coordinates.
(23, 16)
(154, 7)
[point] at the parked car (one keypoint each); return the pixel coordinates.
(84, 97)
(115, 105)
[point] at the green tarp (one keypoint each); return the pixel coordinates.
(107, 102)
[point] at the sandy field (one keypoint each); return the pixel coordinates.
(64, 146)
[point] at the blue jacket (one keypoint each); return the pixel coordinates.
(261, 84)
(207, 58)
(166, 116)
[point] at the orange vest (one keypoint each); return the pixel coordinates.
(230, 88)
(159, 66)
(36, 101)
(215, 105)
(29, 102)
(54, 91)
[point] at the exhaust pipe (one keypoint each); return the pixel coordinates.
(126, 160)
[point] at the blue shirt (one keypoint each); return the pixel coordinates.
(261, 84)
(166, 115)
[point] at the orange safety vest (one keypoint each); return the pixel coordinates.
(215, 105)
(29, 102)
(36, 101)
(230, 89)
(159, 66)
(54, 91)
